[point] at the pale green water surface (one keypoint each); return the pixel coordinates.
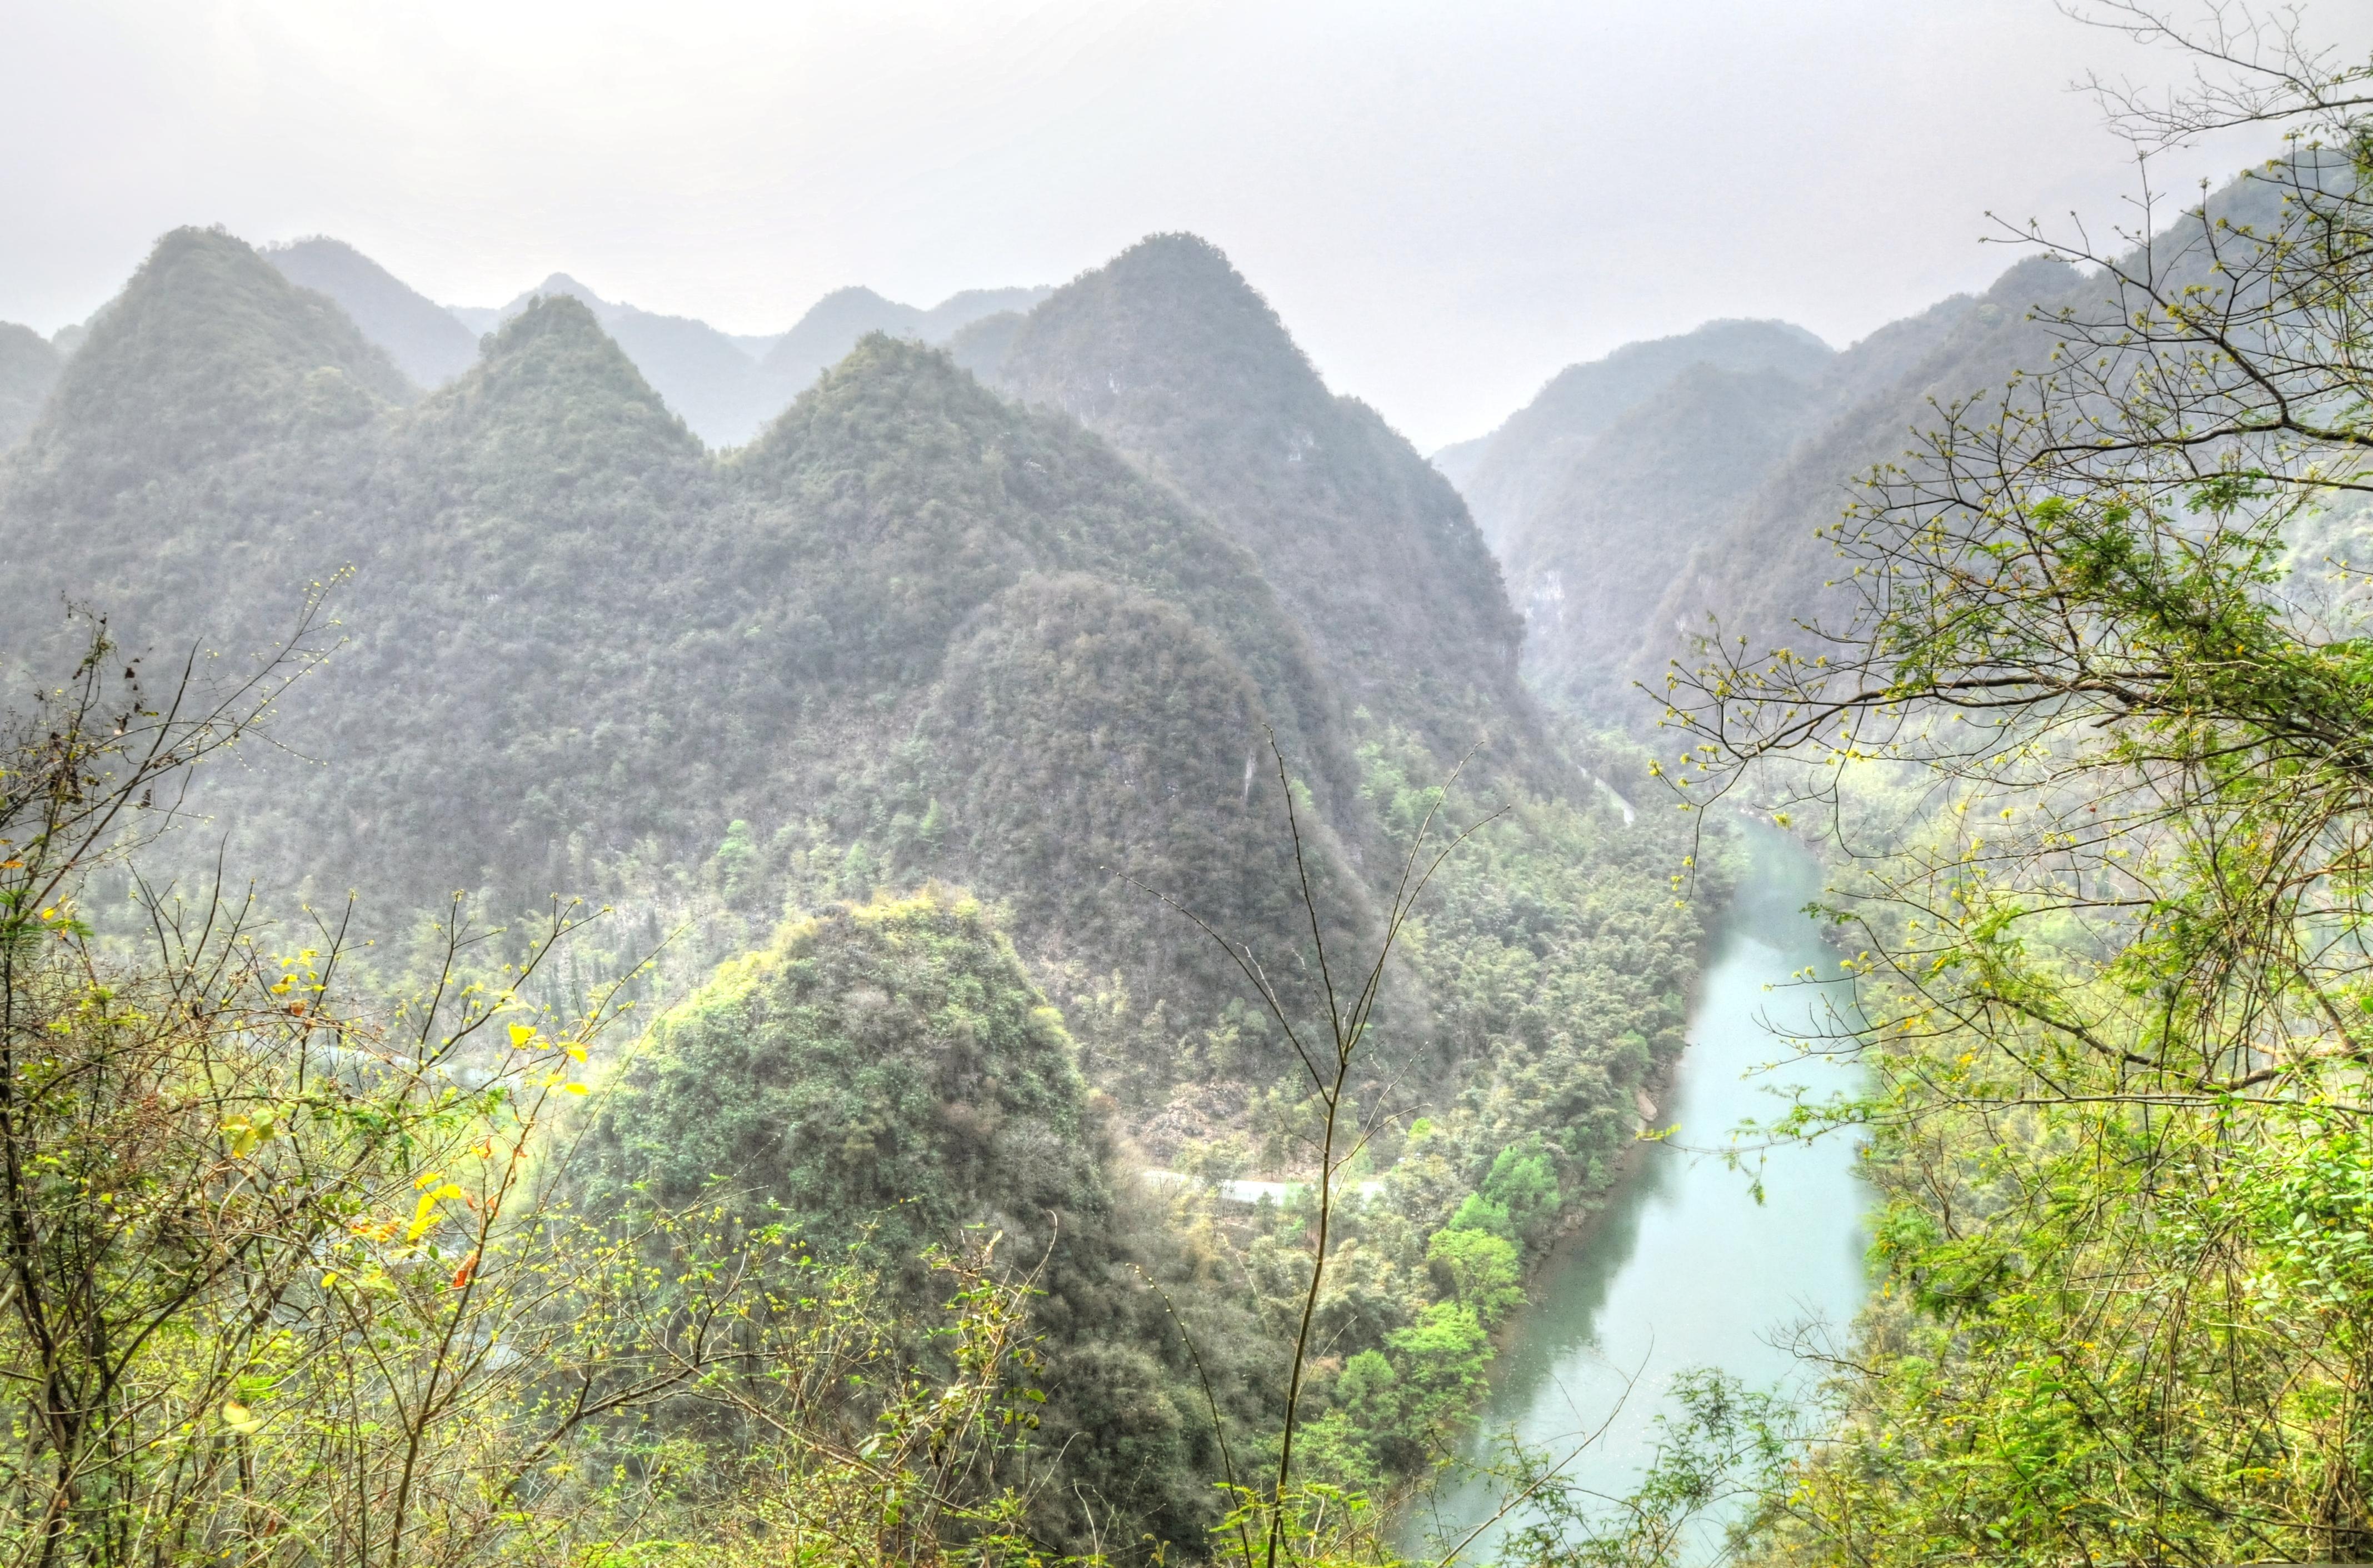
(1684, 1268)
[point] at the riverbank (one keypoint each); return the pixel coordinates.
(1682, 1266)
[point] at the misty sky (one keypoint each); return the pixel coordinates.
(1446, 202)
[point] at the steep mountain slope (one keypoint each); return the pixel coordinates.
(1594, 554)
(1755, 560)
(1680, 478)
(485, 712)
(927, 537)
(1767, 569)
(1516, 469)
(190, 466)
(28, 369)
(911, 496)
(833, 324)
(569, 634)
(1167, 351)
(420, 335)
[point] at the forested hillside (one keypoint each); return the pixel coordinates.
(918, 634)
(1696, 476)
(1168, 352)
(1510, 476)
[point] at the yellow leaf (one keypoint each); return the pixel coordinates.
(572, 1088)
(423, 1216)
(521, 1034)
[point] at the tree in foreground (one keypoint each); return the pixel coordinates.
(2107, 698)
(287, 1274)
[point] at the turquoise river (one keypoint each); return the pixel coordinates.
(1684, 1268)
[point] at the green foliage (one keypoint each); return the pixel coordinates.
(886, 1073)
(1523, 1185)
(917, 634)
(1562, 960)
(1720, 1449)
(1478, 1213)
(1144, 755)
(2110, 971)
(886, 1080)
(1478, 1269)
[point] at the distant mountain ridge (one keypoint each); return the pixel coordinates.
(724, 386)
(1508, 473)
(1644, 498)
(833, 324)
(423, 339)
(1689, 476)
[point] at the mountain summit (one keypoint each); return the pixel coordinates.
(421, 336)
(833, 324)
(201, 436)
(1171, 353)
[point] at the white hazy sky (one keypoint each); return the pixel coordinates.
(1446, 202)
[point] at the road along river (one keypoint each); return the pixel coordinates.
(1684, 1268)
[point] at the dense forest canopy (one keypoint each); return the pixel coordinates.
(1169, 353)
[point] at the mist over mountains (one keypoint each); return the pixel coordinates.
(723, 386)
(748, 638)
(1641, 496)
(1046, 624)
